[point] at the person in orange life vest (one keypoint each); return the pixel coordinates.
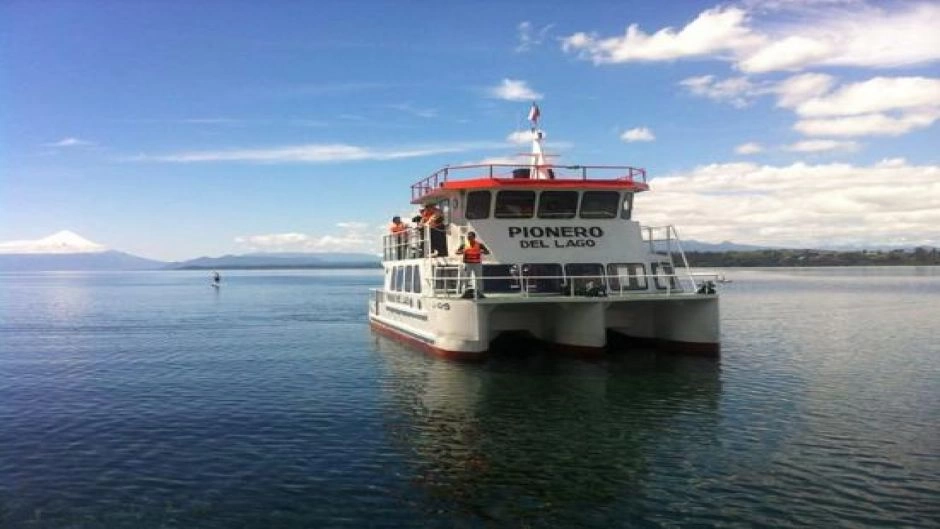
(433, 219)
(399, 231)
(473, 252)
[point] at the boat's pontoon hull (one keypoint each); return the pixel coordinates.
(465, 329)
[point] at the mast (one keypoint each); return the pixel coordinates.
(539, 169)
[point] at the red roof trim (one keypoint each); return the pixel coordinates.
(523, 183)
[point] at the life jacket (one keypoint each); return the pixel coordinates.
(472, 253)
(431, 217)
(397, 227)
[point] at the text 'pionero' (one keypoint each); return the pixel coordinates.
(577, 236)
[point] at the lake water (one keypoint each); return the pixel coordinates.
(147, 400)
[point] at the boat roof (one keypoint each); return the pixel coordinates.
(504, 176)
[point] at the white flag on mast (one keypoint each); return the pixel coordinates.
(534, 113)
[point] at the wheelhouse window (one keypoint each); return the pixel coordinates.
(393, 279)
(501, 278)
(514, 204)
(626, 276)
(627, 210)
(558, 204)
(478, 205)
(585, 278)
(600, 205)
(542, 278)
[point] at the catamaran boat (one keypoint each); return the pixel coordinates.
(568, 264)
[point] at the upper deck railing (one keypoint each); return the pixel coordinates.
(617, 173)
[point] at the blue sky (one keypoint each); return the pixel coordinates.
(178, 129)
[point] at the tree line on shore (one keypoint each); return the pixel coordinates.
(921, 256)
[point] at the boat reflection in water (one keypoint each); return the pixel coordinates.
(538, 439)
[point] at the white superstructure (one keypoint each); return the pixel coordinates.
(569, 265)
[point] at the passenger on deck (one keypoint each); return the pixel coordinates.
(399, 231)
(473, 252)
(433, 219)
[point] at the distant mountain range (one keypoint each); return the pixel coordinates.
(280, 260)
(66, 250)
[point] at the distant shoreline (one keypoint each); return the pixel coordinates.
(350, 266)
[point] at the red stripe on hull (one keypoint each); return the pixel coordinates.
(580, 351)
(463, 356)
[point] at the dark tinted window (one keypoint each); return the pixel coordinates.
(500, 278)
(558, 204)
(584, 277)
(542, 278)
(478, 204)
(409, 272)
(445, 278)
(600, 205)
(393, 280)
(399, 278)
(514, 204)
(626, 276)
(416, 280)
(627, 210)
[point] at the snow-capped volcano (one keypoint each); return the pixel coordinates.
(64, 241)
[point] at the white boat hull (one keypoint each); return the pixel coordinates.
(465, 328)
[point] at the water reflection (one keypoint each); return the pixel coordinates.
(538, 439)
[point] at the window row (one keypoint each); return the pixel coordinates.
(550, 204)
(405, 279)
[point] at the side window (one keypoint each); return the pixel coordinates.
(478, 205)
(416, 280)
(558, 204)
(406, 285)
(664, 276)
(514, 204)
(585, 278)
(626, 276)
(542, 278)
(399, 278)
(627, 210)
(600, 205)
(500, 278)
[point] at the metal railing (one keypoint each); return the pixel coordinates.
(664, 240)
(454, 283)
(622, 173)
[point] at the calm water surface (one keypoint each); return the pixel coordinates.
(150, 400)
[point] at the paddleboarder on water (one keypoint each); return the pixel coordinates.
(216, 279)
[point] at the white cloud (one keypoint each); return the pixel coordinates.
(735, 90)
(529, 37)
(749, 148)
(799, 88)
(859, 36)
(69, 142)
(638, 134)
(409, 108)
(714, 31)
(822, 146)
(514, 90)
(867, 124)
(813, 34)
(314, 153)
(520, 137)
(351, 237)
(878, 94)
(800, 205)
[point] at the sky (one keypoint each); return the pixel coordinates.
(173, 130)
